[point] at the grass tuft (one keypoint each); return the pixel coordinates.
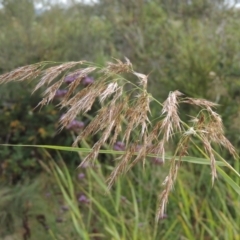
(124, 110)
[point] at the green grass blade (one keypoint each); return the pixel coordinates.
(189, 159)
(229, 180)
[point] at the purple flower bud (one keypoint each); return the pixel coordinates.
(81, 176)
(116, 148)
(87, 81)
(72, 77)
(75, 125)
(60, 93)
(83, 199)
(119, 146)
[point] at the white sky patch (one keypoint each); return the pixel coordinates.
(48, 3)
(63, 2)
(230, 2)
(235, 3)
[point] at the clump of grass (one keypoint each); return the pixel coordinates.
(125, 111)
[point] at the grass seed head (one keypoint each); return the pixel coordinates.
(125, 116)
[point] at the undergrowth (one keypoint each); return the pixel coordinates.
(63, 203)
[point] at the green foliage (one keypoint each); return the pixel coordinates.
(74, 204)
(21, 122)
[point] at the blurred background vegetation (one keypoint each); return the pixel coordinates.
(192, 46)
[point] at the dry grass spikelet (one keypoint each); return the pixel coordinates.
(78, 76)
(123, 165)
(52, 73)
(168, 186)
(118, 67)
(106, 120)
(200, 102)
(170, 110)
(181, 150)
(108, 91)
(137, 115)
(21, 73)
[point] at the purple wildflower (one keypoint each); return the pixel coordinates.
(72, 77)
(87, 81)
(81, 176)
(83, 199)
(60, 93)
(75, 125)
(119, 146)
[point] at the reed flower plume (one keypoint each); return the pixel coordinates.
(124, 116)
